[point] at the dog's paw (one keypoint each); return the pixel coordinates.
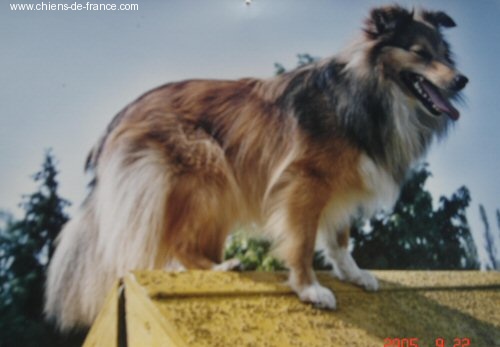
(174, 266)
(361, 278)
(367, 281)
(318, 295)
(228, 265)
(337, 273)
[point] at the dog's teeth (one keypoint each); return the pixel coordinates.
(417, 87)
(420, 90)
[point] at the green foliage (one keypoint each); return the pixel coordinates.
(302, 59)
(279, 69)
(415, 235)
(305, 58)
(252, 253)
(25, 249)
(255, 254)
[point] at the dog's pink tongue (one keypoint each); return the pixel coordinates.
(442, 103)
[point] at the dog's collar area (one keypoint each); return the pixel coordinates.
(429, 95)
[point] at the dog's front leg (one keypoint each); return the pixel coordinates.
(345, 267)
(303, 211)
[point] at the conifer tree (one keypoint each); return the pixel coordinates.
(26, 246)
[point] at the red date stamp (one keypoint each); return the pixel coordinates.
(438, 342)
(401, 342)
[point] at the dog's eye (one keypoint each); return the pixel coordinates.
(422, 53)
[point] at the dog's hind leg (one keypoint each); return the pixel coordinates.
(201, 209)
(344, 266)
(227, 265)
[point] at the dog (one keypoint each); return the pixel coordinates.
(300, 155)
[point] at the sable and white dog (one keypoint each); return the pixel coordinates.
(299, 154)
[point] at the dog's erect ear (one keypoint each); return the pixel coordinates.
(438, 19)
(385, 20)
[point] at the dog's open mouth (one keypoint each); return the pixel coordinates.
(429, 95)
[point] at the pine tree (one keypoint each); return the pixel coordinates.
(25, 249)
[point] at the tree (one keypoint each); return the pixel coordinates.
(252, 253)
(490, 242)
(302, 59)
(415, 235)
(26, 246)
(498, 219)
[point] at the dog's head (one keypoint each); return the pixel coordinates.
(411, 51)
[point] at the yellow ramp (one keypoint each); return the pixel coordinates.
(204, 308)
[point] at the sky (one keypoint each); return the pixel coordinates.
(65, 74)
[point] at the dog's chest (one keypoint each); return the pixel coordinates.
(379, 191)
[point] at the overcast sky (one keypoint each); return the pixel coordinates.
(65, 74)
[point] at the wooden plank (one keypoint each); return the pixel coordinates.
(104, 331)
(206, 309)
(145, 324)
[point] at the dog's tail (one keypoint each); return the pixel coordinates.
(74, 287)
(106, 239)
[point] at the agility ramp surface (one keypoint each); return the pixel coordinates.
(204, 308)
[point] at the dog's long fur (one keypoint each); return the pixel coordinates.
(299, 154)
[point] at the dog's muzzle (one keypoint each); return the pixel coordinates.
(458, 83)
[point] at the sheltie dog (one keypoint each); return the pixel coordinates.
(299, 155)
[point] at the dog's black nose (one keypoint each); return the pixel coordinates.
(459, 82)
